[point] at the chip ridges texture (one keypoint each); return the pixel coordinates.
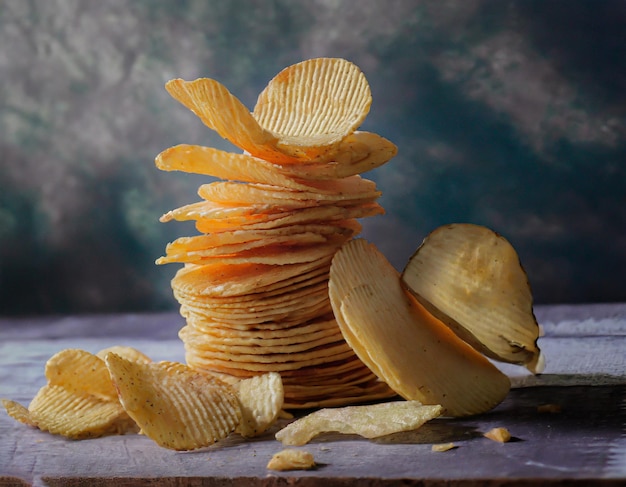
(177, 407)
(255, 282)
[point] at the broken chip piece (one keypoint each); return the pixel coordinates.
(368, 421)
(291, 459)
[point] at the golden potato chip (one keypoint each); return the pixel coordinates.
(416, 354)
(471, 278)
(223, 112)
(358, 153)
(291, 459)
(370, 421)
(76, 414)
(80, 371)
(443, 447)
(261, 399)
(175, 406)
(18, 412)
(260, 221)
(313, 105)
(129, 353)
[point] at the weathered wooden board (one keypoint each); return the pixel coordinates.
(585, 444)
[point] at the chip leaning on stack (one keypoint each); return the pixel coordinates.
(254, 286)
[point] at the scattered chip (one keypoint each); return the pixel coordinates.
(369, 421)
(550, 408)
(500, 434)
(442, 447)
(291, 459)
(175, 406)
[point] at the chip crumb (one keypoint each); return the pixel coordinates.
(291, 459)
(500, 435)
(443, 447)
(549, 408)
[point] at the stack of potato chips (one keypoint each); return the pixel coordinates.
(254, 286)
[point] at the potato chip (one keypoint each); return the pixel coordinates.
(80, 371)
(443, 447)
(370, 421)
(500, 434)
(175, 406)
(129, 353)
(18, 412)
(77, 415)
(291, 459)
(261, 399)
(471, 278)
(357, 153)
(416, 354)
(313, 105)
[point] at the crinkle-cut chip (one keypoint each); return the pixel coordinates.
(18, 412)
(369, 421)
(129, 353)
(316, 214)
(296, 117)
(261, 399)
(175, 406)
(291, 459)
(313, 105)
(499, 434)
(471, 278)
(416, 354)
(76, 414)
(357, 153)
(80, 371)
(223, 112)
(352, 190)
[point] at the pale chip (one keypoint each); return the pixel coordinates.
(80, 371)
(261, 399)
(175, 406)
(291, 459)
(369, 421)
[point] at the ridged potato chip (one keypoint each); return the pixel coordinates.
(175, 406)
(80, 371)
(261, 399)
(77, 415)
(370, 421)
(471, 278)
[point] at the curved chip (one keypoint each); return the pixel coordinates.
(370, 421)
(416, 354)
(471, 278)
(313, 105)
(261, 399)
(175, 406)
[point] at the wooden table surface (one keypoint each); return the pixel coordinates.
(584, 444)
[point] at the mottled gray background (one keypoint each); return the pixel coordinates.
(509, 114)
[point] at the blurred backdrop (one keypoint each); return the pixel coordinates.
(509, 114)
